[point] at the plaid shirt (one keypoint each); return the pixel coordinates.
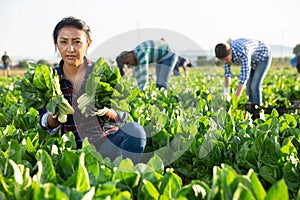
(247, 53)
(149, 52)
(94, 128)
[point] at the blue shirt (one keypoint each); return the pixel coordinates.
(247, 53)
(294, 61)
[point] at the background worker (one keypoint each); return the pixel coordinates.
(147, 52)
(6, 62)
(183, 62)
(295, 62)
(254, 57)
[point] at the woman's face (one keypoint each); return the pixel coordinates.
(72, 45)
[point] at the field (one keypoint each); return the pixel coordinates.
(199, 146)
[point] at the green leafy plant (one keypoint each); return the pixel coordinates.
(40, 87)
(104, 88)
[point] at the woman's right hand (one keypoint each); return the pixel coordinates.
(52, 121)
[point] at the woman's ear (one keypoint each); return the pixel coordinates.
(89, 43)
(87, 46)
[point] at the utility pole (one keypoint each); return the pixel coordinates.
(138, 31)
(282, 42)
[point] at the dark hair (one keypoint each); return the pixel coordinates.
(123, 55)
(71, 21)
(221, 51)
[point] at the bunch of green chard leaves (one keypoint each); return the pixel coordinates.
(40, 87)
(105, 89)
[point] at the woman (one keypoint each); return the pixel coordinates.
(113, 137)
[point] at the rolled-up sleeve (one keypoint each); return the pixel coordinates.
(227, 71)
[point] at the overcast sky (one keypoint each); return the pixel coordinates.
(26, 26)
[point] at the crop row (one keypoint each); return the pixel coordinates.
(199, 146)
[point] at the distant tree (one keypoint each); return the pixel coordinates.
(203, 61)
(229, 40)
(22, 64)
(43, 62)
(296, 50)
(281, 62)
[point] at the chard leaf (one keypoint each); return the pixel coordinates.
(46, 172)
(257, 187)
(268, 174)
(148, 191)
(278, 190)
(82, 181)
(17, 172)
(49, 190)
(170, 184)
(127, 176)
(41, 79)
(195, 190)
(51, 106)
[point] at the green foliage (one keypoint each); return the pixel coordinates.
(104, 88)
(203, 147)
(281, 62)
(40, 87)
(22, 64)
(43, 62)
